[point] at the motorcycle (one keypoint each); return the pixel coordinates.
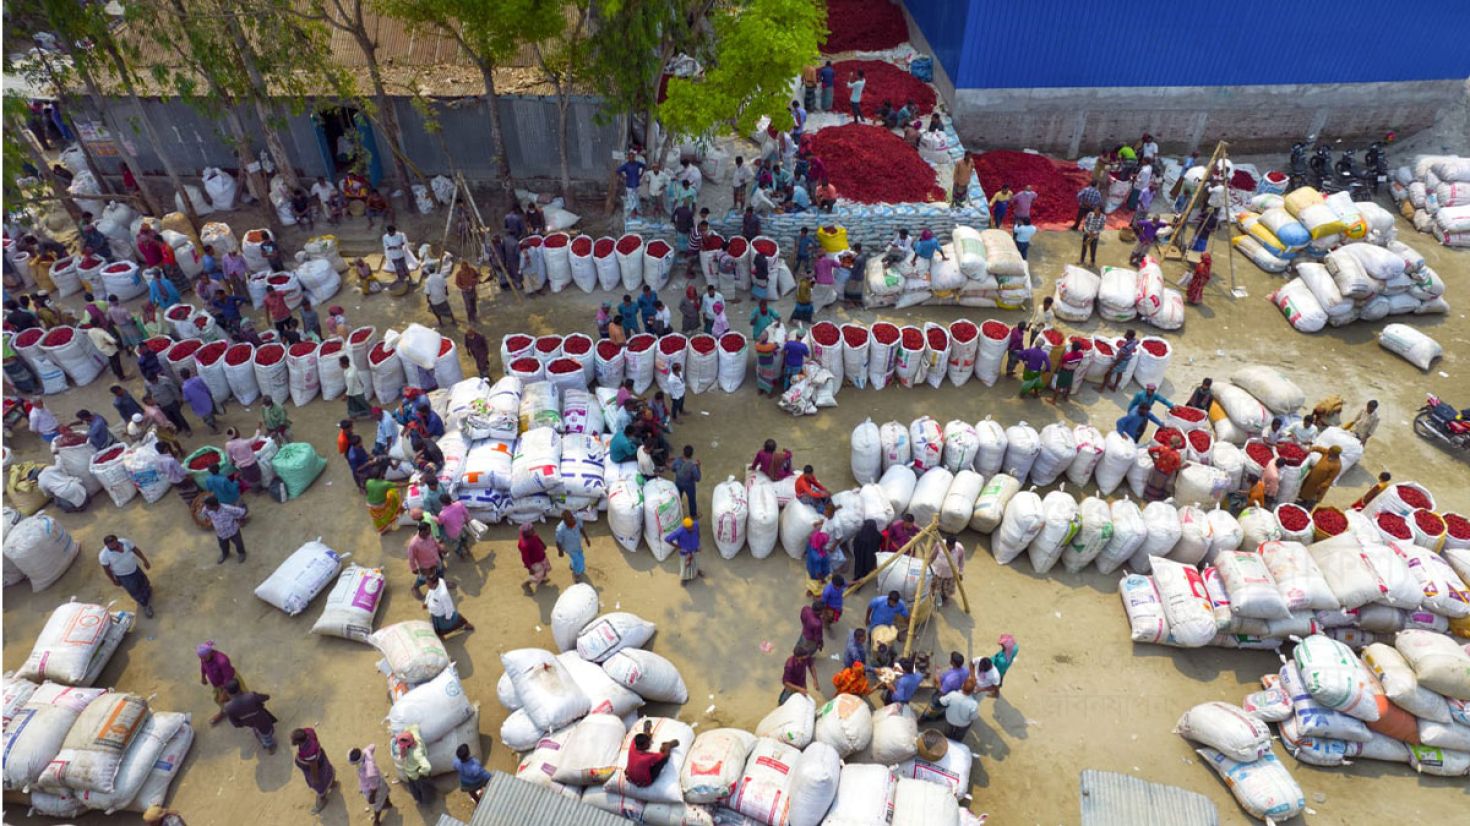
(1320, 165)
(1345, 178)
(1297, 178)
(1441, 422)
(1376, 164)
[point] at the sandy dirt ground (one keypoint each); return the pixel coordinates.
(1080, 696)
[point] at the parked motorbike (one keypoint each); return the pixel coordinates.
(1321, 166)
(1440, 422)
(1375, 161)
(1297, 178)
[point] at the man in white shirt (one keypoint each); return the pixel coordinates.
(691, 173)
(436, 290)
(323, 189)
(1150, 148)
(657, 181)
(707, 304)
(120, 560)
(442, 613)
(740, 180)
(356, 389)
(960, 710)
(1305, 431)
(107, 346)
(395, 250)
(43, 422)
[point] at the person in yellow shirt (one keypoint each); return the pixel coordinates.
(999, 203)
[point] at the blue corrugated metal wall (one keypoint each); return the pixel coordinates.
(1068, 43)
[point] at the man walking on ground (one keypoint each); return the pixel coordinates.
(827, 77)
(120, 559)
(570, 534)
(631, 174)
(467, 281)
(686, 476)
(370, 781)
(1091, 231)
(1021, 204)
(201, 401)
(855, 85)
(226, 522)
(246, 709)
(443, 615)
(436, 290)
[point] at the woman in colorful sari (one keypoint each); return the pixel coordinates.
(1166, 463)
(767, 365)
(383, 503)
(315, 767)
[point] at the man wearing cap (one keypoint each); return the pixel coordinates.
(411, 757)
(686, 539)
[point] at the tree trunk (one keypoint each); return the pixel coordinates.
(263, 108)
(563, 103)
(497, 133)
(152, 135)
(387, 115)
(110, 120)
(259, 187)
(38, 157)
(71, 123)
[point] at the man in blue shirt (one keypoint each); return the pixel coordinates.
(221, 486)
(429, 422)
(686, 539)
(1023, 231)
(629, 311)
(472, 775)
(1144, 400)
(828, 77)
(951, 679)
(622, 448)
(631, 173)
(647, 306)
(885, 611)
(857, 648)
(98, 436)
(905, 686)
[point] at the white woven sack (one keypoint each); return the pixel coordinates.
(352, 604)
(898, 485)
(867, 452)
(1093, 533)
(1187, 609)
(1022, 446)
(959, 501)
(1402, 589)
(844, 723)
(763, 522)
(605, 694)
(412, 651)
(37, 730)
(864, 796)
(610, 633)
(1264, 788)
(1058, 447)
(929, 494)
(1297, 577)
(588, 749)
(1059, 525)
(652, 676)
(894, 445)
(990, 505)
(138, 762)
(1348, 572)
(552, 699)
(303, 575)
(1162, 522)
(1144, 608)
(662, 512)
(1408, 343)
(951, 772)
(1227, 728)
(574, 609)
(814, 782)
(1090, 444)
(437, 707)
(41, 549)
(715, 764)
(764, 790)
(1024, 519)
(961, 445)
(792, 723)
(920, 803)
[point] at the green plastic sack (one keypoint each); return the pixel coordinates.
(200, 470)
(297, 465)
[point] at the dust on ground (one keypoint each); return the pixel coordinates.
(1081, 695)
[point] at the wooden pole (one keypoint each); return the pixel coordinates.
(933, 525)
(1176, 237)
(920, 596)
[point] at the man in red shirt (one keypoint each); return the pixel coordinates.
(275, 307)
(810, 491)
(149, 248)
(644, 764)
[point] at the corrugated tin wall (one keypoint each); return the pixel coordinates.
(1065, 43)
(195, 141)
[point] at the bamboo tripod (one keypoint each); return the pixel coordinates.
(1176, 248)
(925, 545)
(472, 235)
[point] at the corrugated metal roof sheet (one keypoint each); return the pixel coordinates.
(446, 820)
(509, 801)
(1111, 799)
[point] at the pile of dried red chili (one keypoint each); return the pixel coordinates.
(963, 331)
(607, 350)
(1188, 414)
(640, 342)
(575, 344)
(913, 339)
(1293, 518)
(938, 339)
(825, 333)
(870, 165)
(886, 333)
(995, 330)
(1103, 348)
(1414, 497)
(766, 247)
(1259, 452)
(855, 335)
(1155, 347)
(863, 25)
(1457, 526)
(1055, 182)
(629, 244)
(1170, 436)
(272, 353)
(362, 334)
(564, 366)
(702, 343)
(1200, 440)
(204, 460)
(669, 345)
(1291, 452)
(885, 82)
(1393, 525)
(525, 365)
(732, 342)
(1429, 522)
(1329, 521)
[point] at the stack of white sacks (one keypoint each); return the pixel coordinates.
(1120, 295)
(1437, 191)
(1405, 701)
(1364, 282)
(426, 695)
(979, 269)
(73, 748)
(575, 714)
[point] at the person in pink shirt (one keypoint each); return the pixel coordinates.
(242, 456)
(453, 517)
(424, 555)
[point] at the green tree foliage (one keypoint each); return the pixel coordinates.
(756, 48)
